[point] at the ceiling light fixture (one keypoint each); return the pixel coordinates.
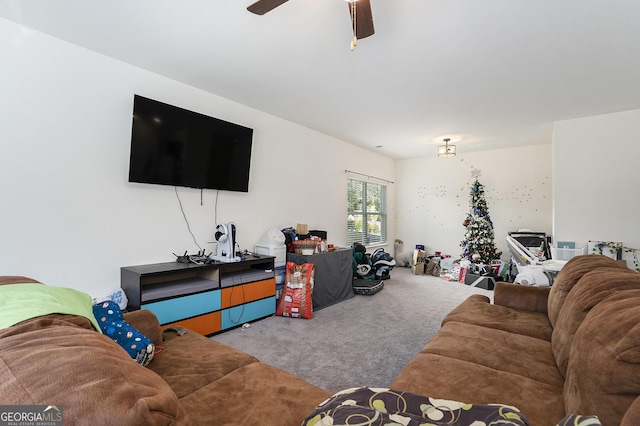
(446, 150)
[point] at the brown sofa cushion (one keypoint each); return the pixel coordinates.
(632, 416)
(521, 297)
(49, 360)
(603, 373)
(497, 349)
(450, 378)
(255, 394)
(50, 320)
(569, 276)
(592, 288)
(476, 309)
(191, 361)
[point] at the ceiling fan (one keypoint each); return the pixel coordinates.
(360, 11)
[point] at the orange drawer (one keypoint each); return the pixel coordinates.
(203, 324)
(239, 294)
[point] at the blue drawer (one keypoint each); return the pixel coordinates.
(184, 307)
(238, 315)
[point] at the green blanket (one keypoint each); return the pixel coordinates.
(20, 302)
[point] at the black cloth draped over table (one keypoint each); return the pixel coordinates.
(333, 275)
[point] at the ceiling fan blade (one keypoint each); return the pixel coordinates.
(364, 17)
(263, 6)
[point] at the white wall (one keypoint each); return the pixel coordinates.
(597, 179)
(69, 217)
(433, 196)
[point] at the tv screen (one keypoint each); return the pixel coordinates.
(178, 147)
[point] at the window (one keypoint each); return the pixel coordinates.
(366, 213)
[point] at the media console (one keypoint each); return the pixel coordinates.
(207, 298)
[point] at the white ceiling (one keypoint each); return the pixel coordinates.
(492, 73)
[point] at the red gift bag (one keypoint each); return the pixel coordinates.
(463, 273)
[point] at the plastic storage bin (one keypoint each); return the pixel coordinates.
(565, 253)
(280, 273)
(279, 252)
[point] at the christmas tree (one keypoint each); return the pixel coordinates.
(478, 245)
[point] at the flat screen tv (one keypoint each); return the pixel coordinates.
(178, 147)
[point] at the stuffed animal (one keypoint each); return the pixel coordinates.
(112, 324)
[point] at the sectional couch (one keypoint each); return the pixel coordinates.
(574, 348)
(570, 349)
(59, 359)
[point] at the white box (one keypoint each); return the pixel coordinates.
(446, 263)
(279, 252)
(604, 248)
(565, 253)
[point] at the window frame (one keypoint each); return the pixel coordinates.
(365, 236)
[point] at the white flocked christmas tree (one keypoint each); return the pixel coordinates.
(478, 245)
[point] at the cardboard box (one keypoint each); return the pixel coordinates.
(418, 264)
(418, 268)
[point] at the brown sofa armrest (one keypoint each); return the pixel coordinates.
(527, 298)
(16, 279)
(147, 323)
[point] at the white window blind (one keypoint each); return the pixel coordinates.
(367, 212)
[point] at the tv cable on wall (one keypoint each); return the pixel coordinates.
(184, 215)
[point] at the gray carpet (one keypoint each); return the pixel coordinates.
(363, 341)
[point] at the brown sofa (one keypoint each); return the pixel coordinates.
(571, 349)
(61, 360)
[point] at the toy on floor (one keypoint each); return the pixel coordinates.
(112, 324)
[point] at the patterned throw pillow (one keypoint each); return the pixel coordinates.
(383, 406)
(112, 324)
